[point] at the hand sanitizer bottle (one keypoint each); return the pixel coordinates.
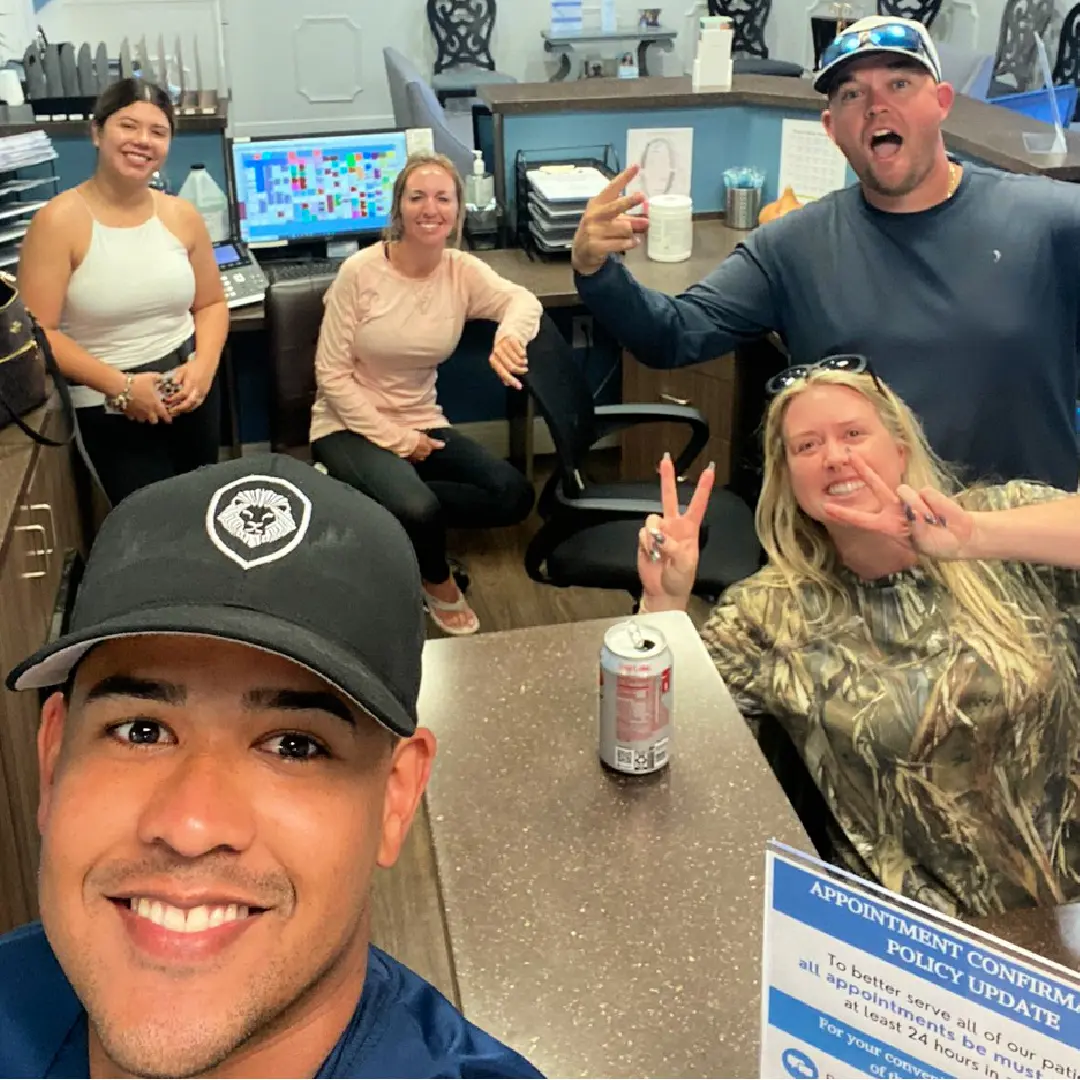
(479, 185)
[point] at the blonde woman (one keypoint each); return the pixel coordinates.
(394, 313)
(917, 642)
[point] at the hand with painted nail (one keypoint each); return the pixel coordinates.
(668, 543)
(925, 520)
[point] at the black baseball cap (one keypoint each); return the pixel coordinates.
(266, 551)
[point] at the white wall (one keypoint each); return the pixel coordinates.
(295, 63)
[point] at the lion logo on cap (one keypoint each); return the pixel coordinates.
(257, 516)
(258, 513)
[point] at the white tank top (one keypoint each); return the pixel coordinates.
(129, 301)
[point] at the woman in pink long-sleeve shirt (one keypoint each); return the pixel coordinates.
(394, 313)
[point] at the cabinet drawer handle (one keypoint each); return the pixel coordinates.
(41, 552)
(37, 508)
(672, 400)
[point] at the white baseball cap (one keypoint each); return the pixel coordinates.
(878, 34)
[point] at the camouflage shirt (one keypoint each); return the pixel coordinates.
(943, 792)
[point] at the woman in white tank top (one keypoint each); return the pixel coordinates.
(123, 280)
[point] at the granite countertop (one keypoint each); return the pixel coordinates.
(552, 280)
(601, 925)
(988, 132)
(1050, 932)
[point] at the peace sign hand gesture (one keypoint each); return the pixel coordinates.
(606, 227)
(668, 546)
(925, 521)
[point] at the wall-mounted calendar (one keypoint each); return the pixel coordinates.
(810, 163)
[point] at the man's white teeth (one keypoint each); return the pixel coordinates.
(846, 488)
(189, 921)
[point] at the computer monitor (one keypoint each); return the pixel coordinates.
(315, 187)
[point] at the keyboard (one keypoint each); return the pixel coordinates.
(298, 271)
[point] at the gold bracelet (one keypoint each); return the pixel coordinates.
(121, 401)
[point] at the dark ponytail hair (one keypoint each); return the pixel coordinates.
(119, 95)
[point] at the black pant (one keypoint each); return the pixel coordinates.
(460, 486)
(129, 454)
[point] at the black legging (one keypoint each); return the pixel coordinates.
(460, 486)
(129, 454)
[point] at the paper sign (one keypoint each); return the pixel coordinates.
(419, 141)
(666, 158)
(810, 163)
(858, 982)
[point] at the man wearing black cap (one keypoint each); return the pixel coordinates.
(235, 750)
(960, 283)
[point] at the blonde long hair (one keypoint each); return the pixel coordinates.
(395, 228)
(997, 608)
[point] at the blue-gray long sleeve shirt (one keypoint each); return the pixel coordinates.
(969, 310)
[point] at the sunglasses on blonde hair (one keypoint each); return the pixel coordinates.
(854, 363)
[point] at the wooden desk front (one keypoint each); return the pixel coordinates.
(602, 925)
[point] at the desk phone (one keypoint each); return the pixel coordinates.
(244, 281)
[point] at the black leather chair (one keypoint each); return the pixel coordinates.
(589, 531)
(294, 311)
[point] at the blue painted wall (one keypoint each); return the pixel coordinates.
(77, 157)
(723, 137)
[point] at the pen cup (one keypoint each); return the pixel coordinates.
(742, 206)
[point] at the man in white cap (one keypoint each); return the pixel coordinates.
(958, 281)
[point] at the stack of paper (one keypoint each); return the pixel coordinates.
(20, 151)
(558, 195)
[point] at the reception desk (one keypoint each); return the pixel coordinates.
(741, 126)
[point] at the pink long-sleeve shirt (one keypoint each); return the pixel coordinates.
(384, 335)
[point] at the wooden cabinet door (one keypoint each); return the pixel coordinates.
(708, 387)
(24, 612)
(46, 526)
(17, 905)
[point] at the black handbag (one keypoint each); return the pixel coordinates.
(27, 365)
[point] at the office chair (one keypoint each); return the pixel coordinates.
(589, 534)
(1015, 66)
(462, 31)
(1067, 64)
(294, 311)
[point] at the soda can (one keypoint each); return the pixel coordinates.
(635, 699)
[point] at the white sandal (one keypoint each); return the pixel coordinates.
(434, 606)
